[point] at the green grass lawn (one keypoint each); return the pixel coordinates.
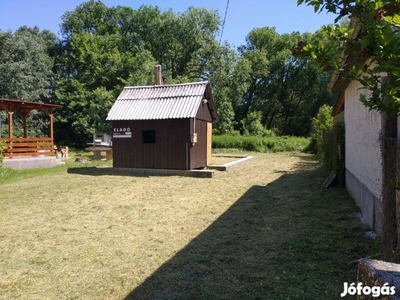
(266, 229)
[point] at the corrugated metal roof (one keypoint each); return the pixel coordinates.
(157, 102)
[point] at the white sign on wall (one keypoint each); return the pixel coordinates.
(122, 132)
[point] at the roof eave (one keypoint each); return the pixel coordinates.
(338, 83)
(343, 60)
(211, 104)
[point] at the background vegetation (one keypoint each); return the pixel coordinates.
(328, 141)
(259, 88)
(260, 144)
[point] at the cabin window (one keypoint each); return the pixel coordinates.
(149, 136)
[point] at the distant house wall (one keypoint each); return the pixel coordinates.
(363, 155)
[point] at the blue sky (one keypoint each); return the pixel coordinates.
(242, 16)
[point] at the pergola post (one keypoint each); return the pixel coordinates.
(25, 113)
(10, 121)
(25, 129)
(51, 126)
(49, 113)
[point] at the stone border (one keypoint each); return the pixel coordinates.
(203, 173)
(167, 172)
(231, 164)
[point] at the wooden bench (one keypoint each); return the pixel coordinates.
(97, 150)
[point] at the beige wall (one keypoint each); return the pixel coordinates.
(363, 128)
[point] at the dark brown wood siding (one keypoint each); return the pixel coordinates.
(204, 112)
(170, 150)
(198, 152)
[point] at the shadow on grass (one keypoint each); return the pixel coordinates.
(92, 171)
(102, 171)
(290, 239)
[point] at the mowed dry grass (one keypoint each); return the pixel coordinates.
(92, 233)
(99, 235)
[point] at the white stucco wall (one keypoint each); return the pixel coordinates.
(363, 128)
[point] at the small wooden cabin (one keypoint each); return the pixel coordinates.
(163, 126)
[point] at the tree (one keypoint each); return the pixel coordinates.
(49, 38)
(26, 74)
(25, 66)
(92, 17)
(182, 43)
(252, 124)
(285, 88)
(375, 51)
(225, 84)
(96, 74)
(322, 123)
(104, 49)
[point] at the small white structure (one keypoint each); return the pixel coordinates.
(101, 139)
(102, 143)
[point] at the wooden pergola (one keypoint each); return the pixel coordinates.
(27, 146)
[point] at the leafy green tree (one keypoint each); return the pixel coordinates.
(375, 52)
(26, 74)
(286, 89)
(321, 123)
(49, 38)
(25, 66)
(98, 71)
(181, 43)
(92, 17)
(221, 71)
(251, 124)
(104, 49)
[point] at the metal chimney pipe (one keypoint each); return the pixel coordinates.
(158, 75)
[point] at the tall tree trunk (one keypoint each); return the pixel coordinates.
(249, 100)
(272, 117)
(265, 116)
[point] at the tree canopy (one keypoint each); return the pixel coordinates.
(373, 43)
(25, 64)
(102, 49)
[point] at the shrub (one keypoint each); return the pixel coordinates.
(251, 125)
(2, 148)
(259, 144)
(321, 123)
(329, 141)
(333, 148)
